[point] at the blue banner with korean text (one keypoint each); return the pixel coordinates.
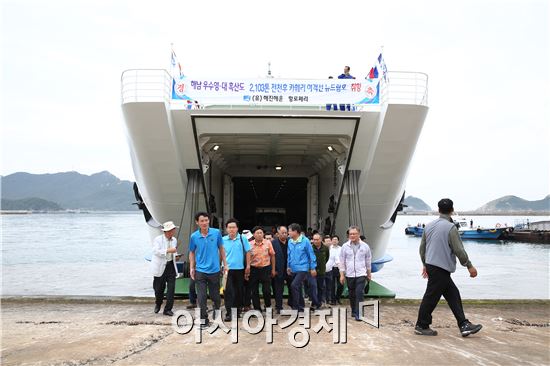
(189, 92)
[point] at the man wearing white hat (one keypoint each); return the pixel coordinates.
(163, 267)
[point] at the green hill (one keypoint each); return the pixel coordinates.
(515, 204)
(416, 204)
(29, 204)
(71, 190)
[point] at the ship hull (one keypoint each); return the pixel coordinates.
(337, 168)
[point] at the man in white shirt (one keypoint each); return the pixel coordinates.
(355, 268)
(333, 286)
(163, 267)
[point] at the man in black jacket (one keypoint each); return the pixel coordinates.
(280, 245)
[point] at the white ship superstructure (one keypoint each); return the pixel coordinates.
(325, 169)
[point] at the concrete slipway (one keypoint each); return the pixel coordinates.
(125, 331)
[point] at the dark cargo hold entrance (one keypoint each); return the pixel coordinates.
(270, 201)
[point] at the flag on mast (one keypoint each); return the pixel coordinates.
(178, 84)
(175, 66)
(381, 65)
(373, 73)
(379, 70)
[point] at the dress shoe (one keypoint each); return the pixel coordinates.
(168, 312)
(157, 308)
(191, 306)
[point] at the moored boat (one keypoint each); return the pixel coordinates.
(466, 231)
(414, 230)
(482, 233)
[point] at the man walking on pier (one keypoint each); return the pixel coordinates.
(301, 262)
(280, 246)
(439, 248)
(237, 251)
(355, 268)
(205, 253)
(321, 256)
(163, 267)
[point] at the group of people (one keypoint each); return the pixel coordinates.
(318, 268)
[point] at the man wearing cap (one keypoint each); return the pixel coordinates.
(163, 267)
(439, 248)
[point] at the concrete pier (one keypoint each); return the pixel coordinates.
(125, 331)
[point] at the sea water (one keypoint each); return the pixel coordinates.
(102, 254)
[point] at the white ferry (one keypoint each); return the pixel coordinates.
(230, 146)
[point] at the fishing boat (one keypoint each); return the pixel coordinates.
(230, 146)
(479, 233)
(414, 230)
(467, 232)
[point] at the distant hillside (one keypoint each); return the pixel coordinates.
(416, 204)
(29, 204)
(515, 204)
(72, 190)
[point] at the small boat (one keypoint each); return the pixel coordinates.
(414, 230)
(479, 233)
(466, 232)
(482, 233)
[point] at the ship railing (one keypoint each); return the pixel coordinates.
(145, 85)
(404, 87)
(154, 85)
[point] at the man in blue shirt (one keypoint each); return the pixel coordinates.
(237, 251)
(301, 261)
(345, 75)
(205, 253)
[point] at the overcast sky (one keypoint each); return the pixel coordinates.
(487, 132)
